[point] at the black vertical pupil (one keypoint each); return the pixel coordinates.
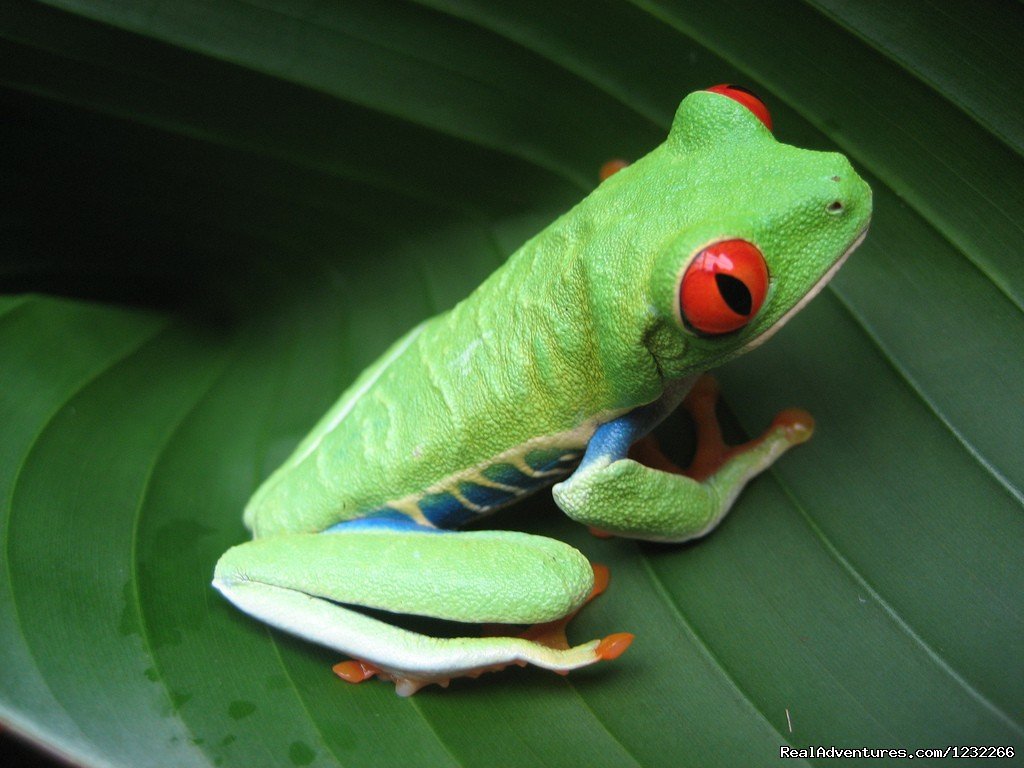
(734, 293)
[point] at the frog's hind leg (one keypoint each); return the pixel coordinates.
(312, 585)
(552, 633)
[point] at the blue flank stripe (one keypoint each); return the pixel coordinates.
(446, 511)
(544, 459)
(483, 496)
(506, 474)
(382, 520)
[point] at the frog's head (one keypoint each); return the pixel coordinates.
(771, 225)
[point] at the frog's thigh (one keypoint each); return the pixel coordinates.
(298, 582)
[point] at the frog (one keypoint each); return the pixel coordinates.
(552, 373)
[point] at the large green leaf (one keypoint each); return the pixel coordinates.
(216, 214)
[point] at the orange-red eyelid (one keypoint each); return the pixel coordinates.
(747, 99)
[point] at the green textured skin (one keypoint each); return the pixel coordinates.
(581, 324)
(552, 577)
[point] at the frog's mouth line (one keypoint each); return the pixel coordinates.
(815, 290)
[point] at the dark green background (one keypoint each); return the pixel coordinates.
(215, 214)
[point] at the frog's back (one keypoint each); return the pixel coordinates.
(470, 410)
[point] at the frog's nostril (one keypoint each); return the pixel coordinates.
(836, 178)
(835, 207)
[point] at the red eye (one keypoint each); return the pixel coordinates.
(747, 98)
(724, 287)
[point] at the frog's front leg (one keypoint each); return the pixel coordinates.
(657, 501)
(307, 583)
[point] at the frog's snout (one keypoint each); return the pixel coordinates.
(848, 193)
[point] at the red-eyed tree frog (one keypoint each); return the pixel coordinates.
(552, 371)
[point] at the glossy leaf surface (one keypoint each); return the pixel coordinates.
(216, 214)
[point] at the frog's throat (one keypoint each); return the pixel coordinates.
(815, 290)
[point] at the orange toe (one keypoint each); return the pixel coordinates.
(354, 671)
(613, 646)
(610, 168)
(798, 423)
